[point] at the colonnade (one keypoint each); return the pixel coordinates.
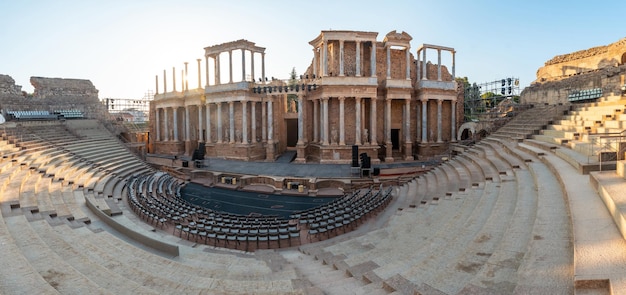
(206, 124)
(321, 54)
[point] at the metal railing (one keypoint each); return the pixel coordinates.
(607, 147)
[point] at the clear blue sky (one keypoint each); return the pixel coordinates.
(121, 45)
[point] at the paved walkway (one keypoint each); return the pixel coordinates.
(599, 247)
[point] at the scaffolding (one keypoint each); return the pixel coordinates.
(481, 98)
(130, 109)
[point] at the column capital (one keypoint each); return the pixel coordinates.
(342, 98)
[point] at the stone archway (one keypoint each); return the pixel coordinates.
(467, 130)
(623, 61)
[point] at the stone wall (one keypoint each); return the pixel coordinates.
(8, 87)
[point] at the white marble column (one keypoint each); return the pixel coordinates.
(175, 114)
(300, 121)
(231, 121)
(164, 81)
(424, 120)
(438, 64)
(270, 122)
(424, 66)
(216, 65)
(263, 122)
(418, 71)
(340, 57)
(408, 63)
(167, 127)
(325, 120)
(418, 121)
(244, 122)
(316, 118)
(388, 62)
(253, 119)
(373, 116)
(200, 133)
(453, 65)
(208, 123)
(156, 84)
(453, 121)
(388, 120)
(158, 125)
(342, 126)
(263, 66)
(187, 124)
(358, 133)
(252, 65)
(206, 74)
(358, 58)
(185, 77)
(325, 59)
(373, 60)
(230, 66)
(220, 129)
(199, 73)
(174, 78)
(243, 65)
(315, 62)
(407, 120)
(439, 121)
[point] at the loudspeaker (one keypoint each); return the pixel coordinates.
(355, 156)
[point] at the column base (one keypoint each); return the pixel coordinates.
(300, 157)
(389, 151)
(408, 151)
(270, 153)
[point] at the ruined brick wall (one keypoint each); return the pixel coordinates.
(567, 65)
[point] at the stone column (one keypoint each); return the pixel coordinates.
(243, 65)
(252, 66)
(373, 129)
(231, 121)
(438, 64)
(453, 65)
(158, 125)
(244, 122)
(408, 63)
(174, 78)
(220, 129)
(342, 126)
(164, 82)
(167, 127)
(373, 59)
(263, 122)
(407, 120)
(186, 78)
(453, 121)
(175, 113)
(359, 134)
(253, 119)
(424, 66)
(199, 73)
(270, 122)
(156, 80)
(388, 62)
(388, 143)
(206, 74)
(230, 66)
(418, 121)
(200, 133)
(439, 121)
(417, 66)
(316, 118)
(424, 120)
(325, 120)
(263, 66)
(408, 144)
(187, 124)
(300, 121)
(340, 57)
(358, 58)
(388, 121)
(325, 59)
(216, 65)
(315, 62)
(208, 123)
(183, 80)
